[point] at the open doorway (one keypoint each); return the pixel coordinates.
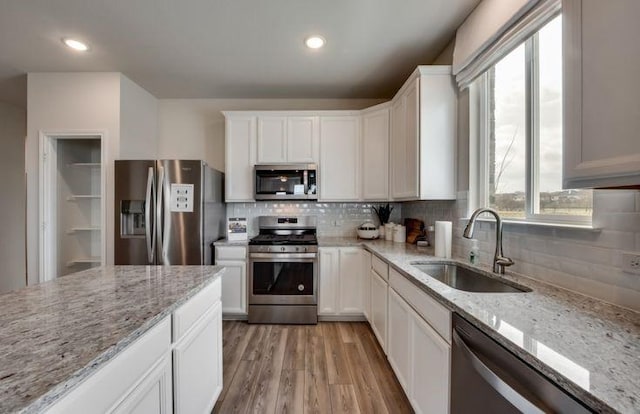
(72, 203)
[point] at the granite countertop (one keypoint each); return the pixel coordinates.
(227, 242)
(588, 347)
(55, 334)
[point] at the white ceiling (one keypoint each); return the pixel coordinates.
(230, 48)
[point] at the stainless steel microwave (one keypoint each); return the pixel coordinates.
(286, 182)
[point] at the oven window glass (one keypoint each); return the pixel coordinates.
(282, 278)
(273, 182)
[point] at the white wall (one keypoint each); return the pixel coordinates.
(194, 128)
(138, 122)
(13, 128)
(68, 102)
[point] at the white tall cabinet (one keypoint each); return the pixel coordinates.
(601, 65)
(339, 172)
(423, 136)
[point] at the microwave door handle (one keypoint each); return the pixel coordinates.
(509, 393)
(149, 232)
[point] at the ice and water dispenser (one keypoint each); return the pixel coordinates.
(132, 220)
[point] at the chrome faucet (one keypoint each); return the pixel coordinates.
(499, 261)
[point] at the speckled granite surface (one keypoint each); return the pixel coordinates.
(54, 335)
(588, 347)
(226, 242)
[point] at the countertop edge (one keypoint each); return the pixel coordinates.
(60, 390)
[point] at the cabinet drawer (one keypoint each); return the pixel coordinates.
(186, 315)
(231, 253)
(431, 311)
(380, 266)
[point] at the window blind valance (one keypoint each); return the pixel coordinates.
(492, 30)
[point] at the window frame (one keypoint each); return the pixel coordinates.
(479, 96)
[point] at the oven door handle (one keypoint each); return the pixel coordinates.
(283, 256)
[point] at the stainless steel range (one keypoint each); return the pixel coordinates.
(283, 271)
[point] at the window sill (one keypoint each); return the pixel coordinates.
(542, 224)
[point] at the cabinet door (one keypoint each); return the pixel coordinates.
(272, 139)
(240, 137)
(601, 122)
(234, 287)
(153, 394)
(339, 172)
(379, 289)
(197, 362)
(398, 147)
(302, 139)
(350, 280)
(411, 189)
(430, 358)
(366, 284)
(375, 155)
(398, 348)
(328, 281)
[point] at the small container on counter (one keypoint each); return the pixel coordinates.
(399, 234)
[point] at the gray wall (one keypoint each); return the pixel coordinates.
(13, 129)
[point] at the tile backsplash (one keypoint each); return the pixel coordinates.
(334, 219)
(586, 261)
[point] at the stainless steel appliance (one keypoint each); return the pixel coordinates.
(487, 378)
(286, 182)
(283, 271)
(167, 212)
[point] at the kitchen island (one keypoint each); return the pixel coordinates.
(56, 335)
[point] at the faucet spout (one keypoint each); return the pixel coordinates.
(499, 260)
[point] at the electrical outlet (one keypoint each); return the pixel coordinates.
(631, 262)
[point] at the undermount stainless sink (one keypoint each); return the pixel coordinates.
(461, 278)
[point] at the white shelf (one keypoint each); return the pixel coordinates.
(74, 197)
(85, 164)
(82, 260)
(79, 229)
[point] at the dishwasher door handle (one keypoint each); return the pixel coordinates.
(501, 386)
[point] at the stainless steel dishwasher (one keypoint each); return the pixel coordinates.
(487, 378)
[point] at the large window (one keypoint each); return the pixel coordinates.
(520, 100)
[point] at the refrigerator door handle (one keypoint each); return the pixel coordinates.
(159, 222)
(149, 235)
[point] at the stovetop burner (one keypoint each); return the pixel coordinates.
(286, 231)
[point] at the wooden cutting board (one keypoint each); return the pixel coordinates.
(414, 231)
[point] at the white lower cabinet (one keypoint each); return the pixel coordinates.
(379, 295)
(197, 360)
(234, 279)
(399, 330)
(153, 394)
(366, 284)
(340, 281)
(430, 357)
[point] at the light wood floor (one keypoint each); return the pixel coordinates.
(326, 368)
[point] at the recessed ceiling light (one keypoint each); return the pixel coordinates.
(75, 44)
(314, 42)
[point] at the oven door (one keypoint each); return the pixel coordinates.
(283, 279)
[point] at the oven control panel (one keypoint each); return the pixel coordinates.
(283, 249)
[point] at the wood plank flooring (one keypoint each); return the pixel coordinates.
(332, 367)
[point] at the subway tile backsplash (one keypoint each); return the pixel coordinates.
(334, 219)
(586, 261)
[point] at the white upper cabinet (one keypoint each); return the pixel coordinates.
(339, 171)
(302, 139)
(240, 157)
(601, 107)
(423, 136)
(287, 139)
(272, 139)
(375, 154)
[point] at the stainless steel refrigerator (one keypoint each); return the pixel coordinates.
(167, 212)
